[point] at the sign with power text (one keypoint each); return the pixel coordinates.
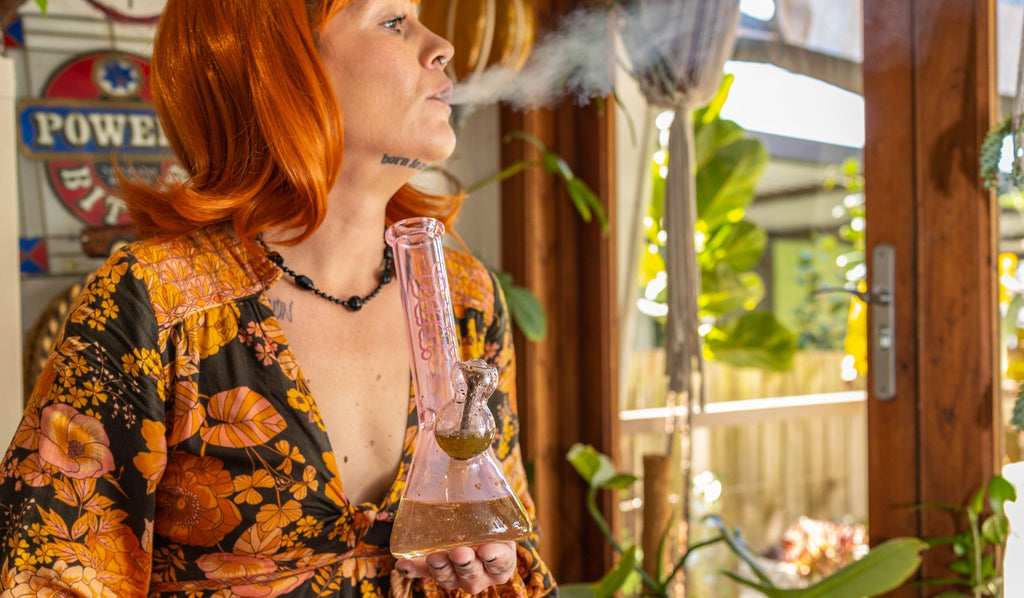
(95, 111)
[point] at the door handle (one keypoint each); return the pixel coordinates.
(883, 321)
(881, 297)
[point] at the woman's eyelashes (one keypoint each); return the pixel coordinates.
(395, 24)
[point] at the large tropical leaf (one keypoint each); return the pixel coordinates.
(738, 245)
(726, 185)
(884, 568)
(756, 340)
(727, 292)
(710, 136)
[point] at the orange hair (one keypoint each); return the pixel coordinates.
(247, 107)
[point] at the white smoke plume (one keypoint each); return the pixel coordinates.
(577, 59)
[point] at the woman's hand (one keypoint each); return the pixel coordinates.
(463, 568)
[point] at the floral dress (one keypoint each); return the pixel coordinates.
(172, 446)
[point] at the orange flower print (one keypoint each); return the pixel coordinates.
(303, 401)
(249, 419)
(74, 443)
(151, 464)
(250, 576)
(117, 550)
(35, 473)
(333, 488)
(187, 413)
(247, 486)
(368, 590)
(309, 482)
(61, 580)
(213, 328)
(222, 566)
(274, 516)
(193, 501)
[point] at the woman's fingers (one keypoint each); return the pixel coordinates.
(499, 560)
(464, 568)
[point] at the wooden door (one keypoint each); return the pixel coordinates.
(929, 100)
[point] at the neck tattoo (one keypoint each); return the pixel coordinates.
(353, 303)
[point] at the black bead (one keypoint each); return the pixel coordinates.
(303, 282)
(276, 258)
(354, 303)
(385, 276)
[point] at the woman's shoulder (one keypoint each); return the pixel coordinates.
(205, 267)
(471, 283)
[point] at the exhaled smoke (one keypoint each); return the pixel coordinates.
(577, 59)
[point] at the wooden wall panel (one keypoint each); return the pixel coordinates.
(566, 382)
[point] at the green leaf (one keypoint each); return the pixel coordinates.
(739, 547)
(995, 529)
(1017, 419)
(576, 590)
(726, 185)
(727, 291)
(709, 137)
(556, 165)
(977, 502)
(532, 140)
(617, 577)
(714, 107)
(1000, 490)
(42, 5)
(594, 467)
(620, 481)
(585, 200)
(738, 245)
(991, 152)
(884, 568)
(525, 310)
(756, 340)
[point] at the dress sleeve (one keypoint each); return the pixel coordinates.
(532, 577)
(77, 484)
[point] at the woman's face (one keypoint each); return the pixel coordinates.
(387, 72)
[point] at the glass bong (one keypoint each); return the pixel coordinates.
(455, 494)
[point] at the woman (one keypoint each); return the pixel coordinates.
(228, 411)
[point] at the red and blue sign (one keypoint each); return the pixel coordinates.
(96, 110)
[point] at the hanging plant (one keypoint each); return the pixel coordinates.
(729, 164)
(992, 152)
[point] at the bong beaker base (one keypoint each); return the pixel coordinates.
(425, 527)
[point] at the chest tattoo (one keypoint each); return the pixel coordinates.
(282, 310)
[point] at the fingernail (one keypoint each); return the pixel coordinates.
(439, 567)
(463, 565)
(404, 572)
(492, 559)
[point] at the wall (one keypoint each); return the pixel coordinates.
(10, 301)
